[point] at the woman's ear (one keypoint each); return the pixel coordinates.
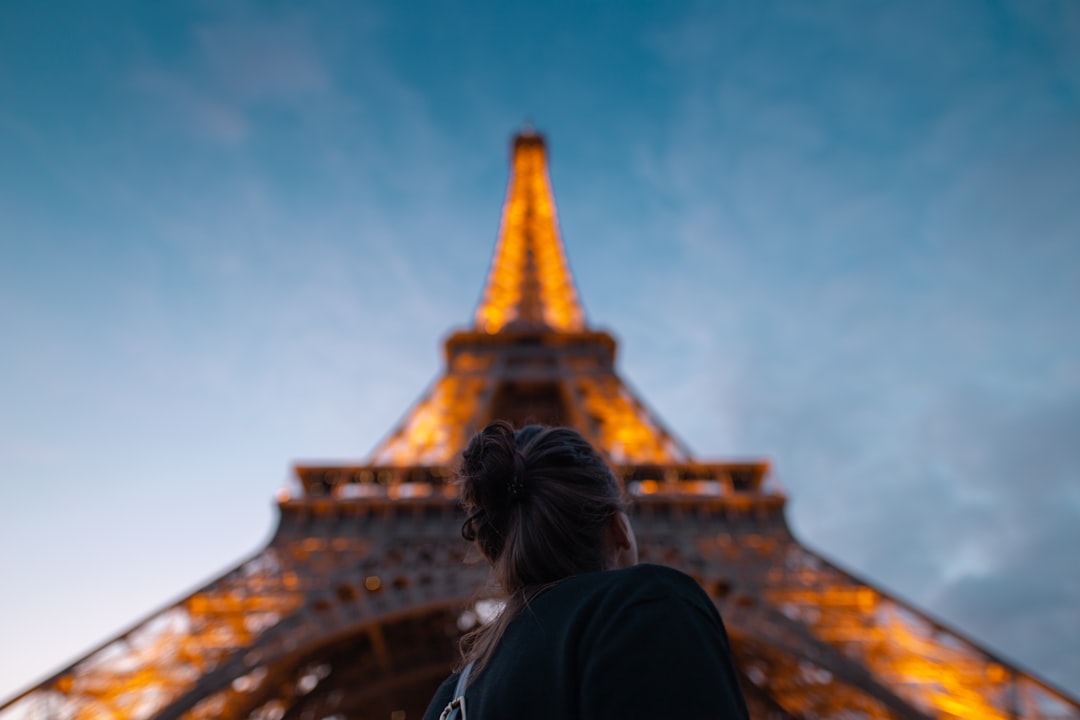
(621, 541)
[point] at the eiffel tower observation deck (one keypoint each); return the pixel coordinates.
(354, 607)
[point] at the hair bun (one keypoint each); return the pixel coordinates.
(487, 476)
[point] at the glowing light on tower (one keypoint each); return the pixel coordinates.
(530, 284)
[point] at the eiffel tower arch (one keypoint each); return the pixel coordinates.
(354, 607)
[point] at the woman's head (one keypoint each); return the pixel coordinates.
(543, 505)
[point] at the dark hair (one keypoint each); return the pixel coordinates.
(538, 502)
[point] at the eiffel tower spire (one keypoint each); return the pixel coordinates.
(530, 284)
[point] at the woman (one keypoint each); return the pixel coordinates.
(586, 632)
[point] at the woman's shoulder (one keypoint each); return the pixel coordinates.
(635, 584)
(658, 623)
(648, 574)
(645, 578)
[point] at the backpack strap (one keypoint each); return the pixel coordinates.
(455, 709)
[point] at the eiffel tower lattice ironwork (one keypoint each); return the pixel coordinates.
(353, 608)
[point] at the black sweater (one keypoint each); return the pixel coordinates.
(643, 642)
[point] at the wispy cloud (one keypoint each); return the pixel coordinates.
(234, 65)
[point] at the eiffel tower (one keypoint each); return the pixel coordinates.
(353, 608)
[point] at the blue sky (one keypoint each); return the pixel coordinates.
(844, 236)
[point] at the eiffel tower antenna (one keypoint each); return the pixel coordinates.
(353, 608)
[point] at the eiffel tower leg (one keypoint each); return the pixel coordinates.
(160, 657)
(765, 627)
(381, 599)
(762, 705)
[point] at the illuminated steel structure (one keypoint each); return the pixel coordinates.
(353, 609)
